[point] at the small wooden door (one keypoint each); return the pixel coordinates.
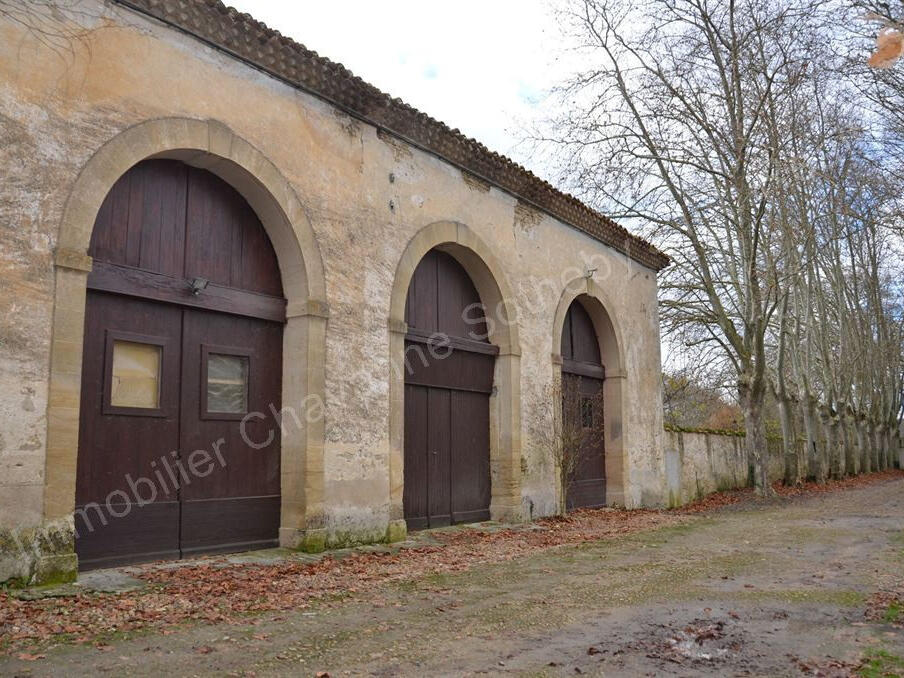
(582, 380)
(448, 382)
(236, 507)
(179, 449)
(127, 499)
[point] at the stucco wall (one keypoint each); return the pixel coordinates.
(365, 194)
(697, 464)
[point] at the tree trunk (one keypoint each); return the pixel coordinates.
(814, 468)
(830, 430)
(863, 447)
(838, 452)
(831, 444)
(877, 448)
(789, 443)
(850, 452)
(751, 400)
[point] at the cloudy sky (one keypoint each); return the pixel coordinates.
(479, 65)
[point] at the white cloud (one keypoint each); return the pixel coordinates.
(477, 65)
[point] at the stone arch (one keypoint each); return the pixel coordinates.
(209, 145)
(612, 351)
(488, 277)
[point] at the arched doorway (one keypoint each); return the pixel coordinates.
(183, 339)
(449, 366)
(583, 413)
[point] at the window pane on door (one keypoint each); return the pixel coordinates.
(227, 383)
(136, 375)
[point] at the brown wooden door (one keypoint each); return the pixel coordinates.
(448, 382)
(582, 386)
(127, 499)
(178, 443)
(236, 506)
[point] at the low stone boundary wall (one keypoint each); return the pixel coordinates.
(698, 463)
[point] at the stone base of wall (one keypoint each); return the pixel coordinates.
(46, 555)
(322, 539)
(38, 555)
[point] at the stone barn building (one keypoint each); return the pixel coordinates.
(249, 299)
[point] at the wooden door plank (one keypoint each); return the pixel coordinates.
(439, 505)
(470, 463)
(414, 494)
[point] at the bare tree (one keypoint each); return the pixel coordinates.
(60, 25)
(575, 434)
(669, 126)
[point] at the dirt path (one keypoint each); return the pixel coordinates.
(750, 590)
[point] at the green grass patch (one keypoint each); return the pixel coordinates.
(880, 664)
(803, 596)
(893, 613)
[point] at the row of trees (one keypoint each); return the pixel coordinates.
(754, 144)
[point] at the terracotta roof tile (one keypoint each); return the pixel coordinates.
(253, 42)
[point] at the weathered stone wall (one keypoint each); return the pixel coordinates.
(365, 194)
(697, 464)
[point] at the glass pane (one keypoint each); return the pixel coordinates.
(136, 375)
(227, 383)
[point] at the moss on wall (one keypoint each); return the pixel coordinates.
(38, 555)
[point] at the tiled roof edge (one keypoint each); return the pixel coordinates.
(247, 39)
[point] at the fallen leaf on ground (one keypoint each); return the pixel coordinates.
(25, 657)
(216, 591)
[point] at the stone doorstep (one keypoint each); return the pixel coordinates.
(124, 580)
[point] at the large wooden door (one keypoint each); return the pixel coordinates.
(179, 449)
(582, 387)
(448, 382)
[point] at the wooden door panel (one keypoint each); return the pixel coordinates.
(414, 495)
(587, 494)
(438, 457)
(141, 534)
(579, 340)
(126, 495)
(228, 525)
(225, 241)
(141, 223)
(442, 299)
(470, 463)
(459, 311)
(420, 305)
(232, 502)
(462, 370)
(588, 486)
(165, 217)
